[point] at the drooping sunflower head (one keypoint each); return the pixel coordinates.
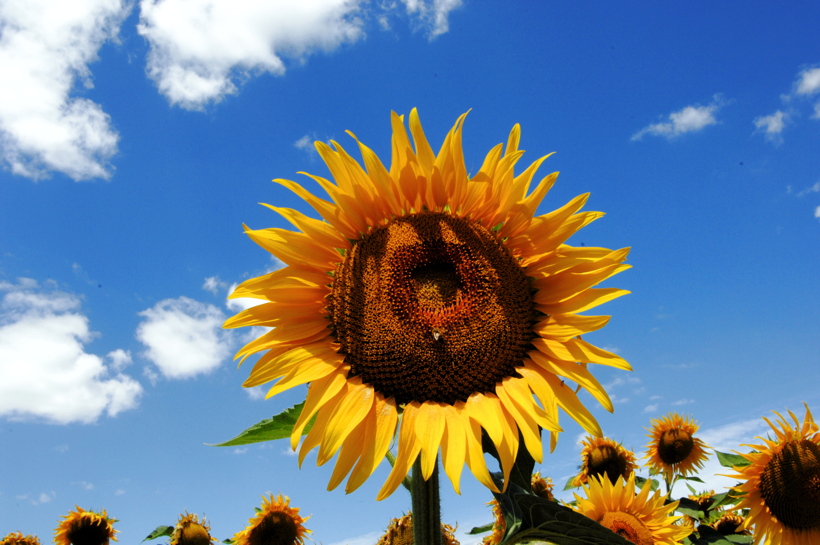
(542, 487)
(400, 532)
(673, 447)
(17, 538)
(782, 484)
(705, 500)
(83, 527)
(429, 305)
(643, 519)
(603, 456)
(189, 530)
(730, 524)
(275, 523)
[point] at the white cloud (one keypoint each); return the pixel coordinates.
(808, 82)
(432, 15)
(651, 408)
(202, 50)
(213, 284)
(119, 358)
(688, 119)
(772, 125)
(45, 122)
(367, 539)
(43, 497)
(184, 337)
(45, 371)
(257, 392)
(817, 212)
(813, 189)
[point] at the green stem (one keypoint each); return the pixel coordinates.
(426, 507)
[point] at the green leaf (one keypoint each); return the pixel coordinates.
(689, 507)
(710, 536)
(270, 429)
(160, 531)
(550, 521)
(731, 460)
(569, 485)
(481, 529)
(692, 478)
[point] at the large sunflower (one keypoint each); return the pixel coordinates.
(603, 456)
(429, 305)
(641, 519)
(83, 527)
(782, 484)
(673, 448)
(276, 522)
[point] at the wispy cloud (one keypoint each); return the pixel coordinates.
(45, 371)
(45, 122)
(688, 119)
(808, 82)
(184, 337)
(772, 126)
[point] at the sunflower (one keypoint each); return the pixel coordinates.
(542, 486)
(189, 530)
(641, 519)
(782, 484)
(603, 456)
(276, 523)
(400, 532)
(83, 527)
(431, 306)
(17, 538)
(673, 448)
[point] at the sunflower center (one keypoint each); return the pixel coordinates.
(276, 528)
(628, 527)
(675, 446)
(89, 533)
(729, 525)
(790, 485)
(431, 307)
(605, 459)
(194, 534)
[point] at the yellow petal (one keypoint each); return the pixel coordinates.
(576, 373)
(347, 414)
(429, 429)
(320, 392)
(380, 435)
(454, 443)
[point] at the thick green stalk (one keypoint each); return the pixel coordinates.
(426, 507)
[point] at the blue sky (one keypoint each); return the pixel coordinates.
(137, 137)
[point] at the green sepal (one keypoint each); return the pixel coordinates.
(654, 484)
(481, 529)
(160, 531)
(270, 429)
(731, 460)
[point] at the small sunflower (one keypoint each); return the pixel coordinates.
(400, 532)
(705, 500)
(275, 523)
(673, 448)
(83, 527)
(782, 484)
(641, 519)
(189, 530)
(17, 538)
(603, 456)
(430, 306)
(542, 486)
